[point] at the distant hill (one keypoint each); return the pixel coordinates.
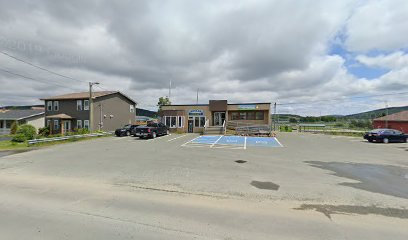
(26, 107)
(146, 113)
(375, 113)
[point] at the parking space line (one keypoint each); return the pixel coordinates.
(184, 144)
(216, 141)
(278, 141)
(176, 138)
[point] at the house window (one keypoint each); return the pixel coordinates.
(56, 125)
(86, 124)
(242, 116)
(49, 106)
(86, 105)
(56, 106)
(259, 115)
(79, 105)
(234, 116)
(48, 123)
(131, 108)
(79, 124)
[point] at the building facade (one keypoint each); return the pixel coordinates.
(397, 121)
(69, 112)
(34, 117)
(193, 117)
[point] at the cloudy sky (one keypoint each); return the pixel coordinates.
(312, 57)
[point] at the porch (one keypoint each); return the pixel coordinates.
(60, 123)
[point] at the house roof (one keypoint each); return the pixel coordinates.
(85, 95)
(19, 114)
(399, 117)
(60, 116)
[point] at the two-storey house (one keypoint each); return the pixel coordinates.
(68, 112)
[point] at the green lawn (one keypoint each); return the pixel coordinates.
(9, 145)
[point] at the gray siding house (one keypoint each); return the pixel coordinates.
(110, 110)
(33, 117)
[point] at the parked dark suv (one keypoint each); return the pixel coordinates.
(385, 135)
(125, 130)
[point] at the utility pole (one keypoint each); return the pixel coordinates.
(198, 89)
(91, 106)
(169, 90)
(274, 116)
(386, 114)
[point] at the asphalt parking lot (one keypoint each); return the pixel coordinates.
(310, 187)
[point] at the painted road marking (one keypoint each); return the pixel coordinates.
(216, 141)
(233, 142)
(190, 141)
(176, 138)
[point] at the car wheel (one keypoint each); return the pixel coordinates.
(154, 135)
(370, 140)
(385, 140)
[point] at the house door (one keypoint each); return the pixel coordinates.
(67, 126)
(219, 118)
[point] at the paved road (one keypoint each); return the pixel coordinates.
(125, 188)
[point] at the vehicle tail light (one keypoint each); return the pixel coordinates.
(148, 130)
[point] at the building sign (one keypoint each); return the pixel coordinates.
(248, 107)
(196, 112)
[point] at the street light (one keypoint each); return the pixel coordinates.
(90, 105)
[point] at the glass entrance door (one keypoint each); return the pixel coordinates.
(67, 126)
(219, 118)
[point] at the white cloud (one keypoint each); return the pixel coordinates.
(396, 60)
(378, 25)
(237, 50)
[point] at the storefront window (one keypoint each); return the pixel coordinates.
(180, 123)
(242, 116)
(259, 115)
(234, 116)
(174, 121)
(250, 115)
(199, 121)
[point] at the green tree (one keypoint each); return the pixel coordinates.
(14, 127)
(163, 101)
(292, 120)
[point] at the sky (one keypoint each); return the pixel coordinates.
(311, 57)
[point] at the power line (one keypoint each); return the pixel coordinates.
(39, 67)
(342, 99)
(30, 78)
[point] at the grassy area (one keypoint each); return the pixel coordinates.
(9, 145)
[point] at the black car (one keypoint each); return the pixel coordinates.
(151, 130)
(125, 130)
(385, 135)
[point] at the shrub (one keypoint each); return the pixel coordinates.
(26, 132)
(45, 131)
(14, 127)
(82, 131)
(19, 137)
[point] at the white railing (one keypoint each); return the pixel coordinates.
(206, 124)
(4, 131)
(42, 140)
